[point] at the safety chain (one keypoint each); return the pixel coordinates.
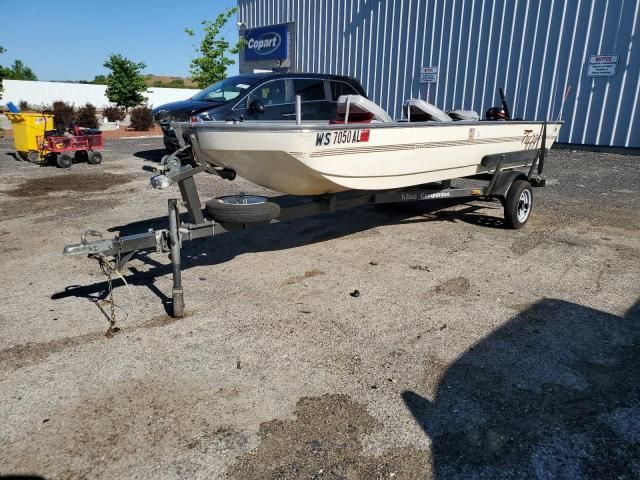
(107, 268)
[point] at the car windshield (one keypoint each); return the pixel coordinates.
(225, 90)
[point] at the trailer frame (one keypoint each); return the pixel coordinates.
(170, 240)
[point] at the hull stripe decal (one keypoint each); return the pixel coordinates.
(413, 146)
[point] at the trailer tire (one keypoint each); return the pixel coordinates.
(64, 160)
(242, 209)
(518, 204)
(95, 158)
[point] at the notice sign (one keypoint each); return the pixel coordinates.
(602, 65)
(595, 59)
(602, 70)
(428, 74)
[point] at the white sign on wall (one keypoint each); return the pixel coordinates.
(428, 74)
(601, 70)
(602, 65)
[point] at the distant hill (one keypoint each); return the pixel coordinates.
(169, 82)
(163, 81)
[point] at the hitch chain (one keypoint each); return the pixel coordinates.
(107, 268)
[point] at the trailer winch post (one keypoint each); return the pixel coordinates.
(543, 148)
(174, 246)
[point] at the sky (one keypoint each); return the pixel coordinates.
(71, 40)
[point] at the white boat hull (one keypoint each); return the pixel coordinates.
(319, 158)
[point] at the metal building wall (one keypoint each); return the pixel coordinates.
(532, 48)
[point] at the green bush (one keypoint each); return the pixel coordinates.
(64, 114)
(114, 113)
(86, 116)
(141, 118)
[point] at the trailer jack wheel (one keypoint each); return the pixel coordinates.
(518, 204)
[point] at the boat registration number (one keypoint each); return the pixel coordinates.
(341, 136)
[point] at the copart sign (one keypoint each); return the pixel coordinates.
(268, 43)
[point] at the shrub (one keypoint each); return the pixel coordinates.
(64, 114)
(141, 118)
(24, 106)
(86, 116)
(114, 113)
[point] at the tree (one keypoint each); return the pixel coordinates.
(211, 66)
(99, 80)
(19, 71)
(125, 85)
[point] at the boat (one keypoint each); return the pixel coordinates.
(364, 149)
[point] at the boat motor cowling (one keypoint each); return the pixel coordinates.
(496, 113)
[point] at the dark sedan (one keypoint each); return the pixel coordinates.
(259, 96)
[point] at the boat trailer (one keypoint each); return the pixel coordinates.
(238, 212)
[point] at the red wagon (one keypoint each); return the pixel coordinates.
(81, 145)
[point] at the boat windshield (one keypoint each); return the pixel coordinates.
(224, 90)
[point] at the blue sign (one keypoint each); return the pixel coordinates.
(268, 43)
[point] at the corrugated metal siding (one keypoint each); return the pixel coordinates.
(532, 48)
(45, 93)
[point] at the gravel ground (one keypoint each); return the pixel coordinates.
(471, 352)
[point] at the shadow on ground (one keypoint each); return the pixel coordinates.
(153, 155)
(555, 393)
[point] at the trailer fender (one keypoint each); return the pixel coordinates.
(504, 181)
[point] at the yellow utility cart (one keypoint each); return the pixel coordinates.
(27, 129)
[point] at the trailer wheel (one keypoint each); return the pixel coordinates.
(33, 156)
(95, 158)
(64, 160)
(518, 204)
(242, 209)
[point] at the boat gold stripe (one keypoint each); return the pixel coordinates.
(413, 146)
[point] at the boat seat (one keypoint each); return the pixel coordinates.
(418, 110)
(358, 109)
(469, 115)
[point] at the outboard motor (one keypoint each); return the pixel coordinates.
(501, 112)
(496, 113)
